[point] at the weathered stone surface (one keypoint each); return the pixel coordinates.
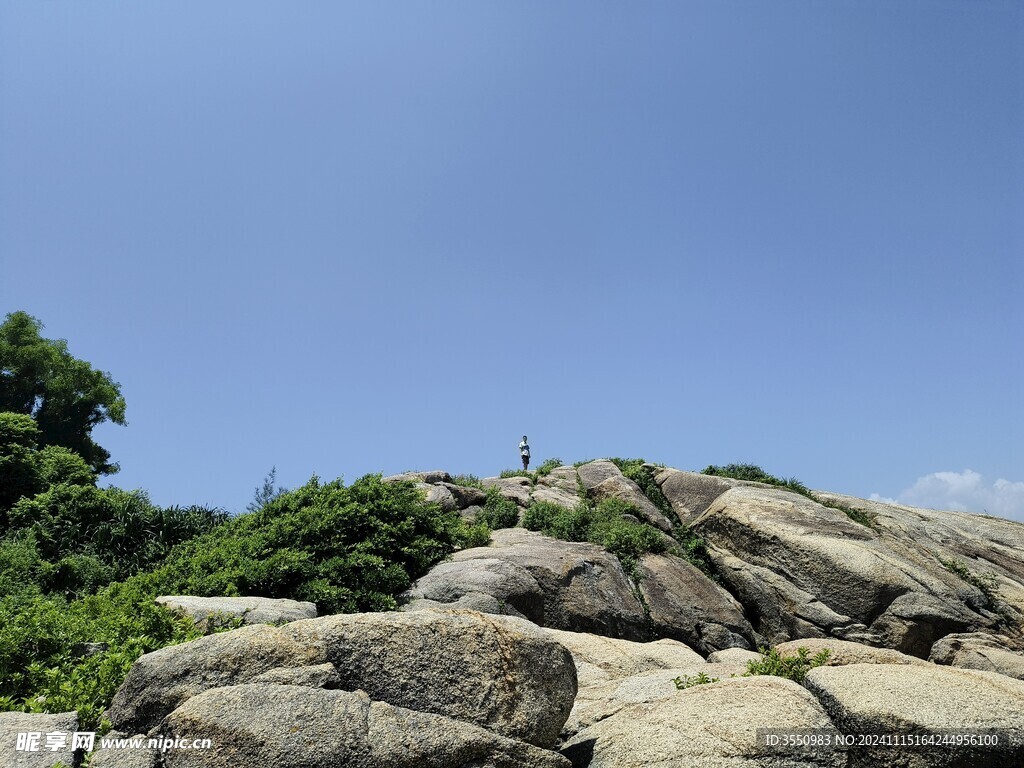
(127, 757)
(690, 493)
(564, 478)
(431, 476)
(603, 699)
(159, 681)
(212, 612)
(844, 652)
(593, 473)
(779, 609)
(562, 498)
(438, 494)
(313, 676)
(777, 550)
(507, 584)
(297, 727)
(979, 650)
(622, 488)
(909, 698)
(466, 495)
(499, 672)
(711, 726)
(733, 656)
(686, 605)
(13, 723)
(515, 488)
(585, 588)
(622, 658)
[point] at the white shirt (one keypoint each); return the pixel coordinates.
(524, 449)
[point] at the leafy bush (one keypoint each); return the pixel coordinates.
(469, 481)
(791, 667)
(346, 548)
(506, 473)
(93, 536)
(498, 511)
(601, 524)
(754, 473)
(771, 663)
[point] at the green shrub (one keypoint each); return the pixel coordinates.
(506, 473)
(603, 524)
(791, 667)
(546, 468)
(640, 472)
(346, 548)
(540, 515)
(469, 481)
(498, 511)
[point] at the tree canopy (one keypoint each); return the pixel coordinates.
(65, 396)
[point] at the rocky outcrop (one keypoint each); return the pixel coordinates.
(581, 586)
(978, 650)
(14, 723)
(707, 725)
(603, 658)
(488, 584)
(211, 612)
(500, 673)
(912, 699)
(690, 493)
(295, 727)
(805, 570)
(515, 488)
(686, 605)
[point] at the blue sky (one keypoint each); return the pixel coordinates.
(342, 238)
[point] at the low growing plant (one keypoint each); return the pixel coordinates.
(498, 511)
(791, 667)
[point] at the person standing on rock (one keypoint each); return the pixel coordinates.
(524, 453)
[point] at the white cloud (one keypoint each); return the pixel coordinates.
(965, 491)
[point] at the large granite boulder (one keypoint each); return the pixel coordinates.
(690, 493)
(585, 588)
(603, 698)
(686, 605)
(501, 673)
(593, 473)
(978, 650)
(14, 723)
(466, 495)
(711, 726)
(486, 583)
(923, 699)
(599, 659)
(516, 488)
(806, 570)
(159, 682)
(209, 613)
(298, 727)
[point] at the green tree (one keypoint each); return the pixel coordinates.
(66, 396)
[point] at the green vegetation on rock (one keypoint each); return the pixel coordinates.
(754, 473)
